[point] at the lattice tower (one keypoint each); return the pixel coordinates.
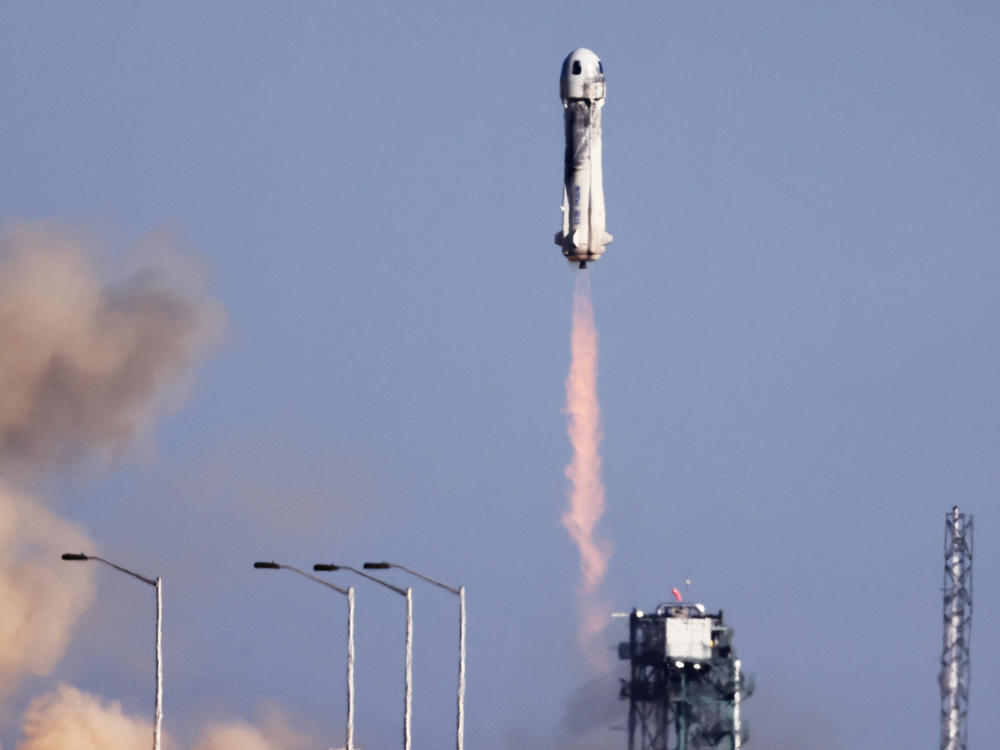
(954, 678)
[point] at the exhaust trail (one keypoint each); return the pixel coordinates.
(586, 495)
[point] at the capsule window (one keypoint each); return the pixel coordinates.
(576, 67)
(600, 67)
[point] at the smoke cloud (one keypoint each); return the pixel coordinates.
(69, 719)
(85, 363)
(232, 736)
(586, 488)
(595, 705)
(42, 596)
(272, 731)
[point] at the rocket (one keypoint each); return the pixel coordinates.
(581, 88)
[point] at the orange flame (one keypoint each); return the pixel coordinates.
(586, 491)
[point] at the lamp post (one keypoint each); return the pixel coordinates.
(408, 676)
(460, 593)
(349, 593)
(156, 583)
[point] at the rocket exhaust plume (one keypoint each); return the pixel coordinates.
(586, 488)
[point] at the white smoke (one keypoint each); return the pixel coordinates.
(42, 597)
(86, 362)
(271, 731)
(71, 719)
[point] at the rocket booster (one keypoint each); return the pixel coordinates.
(581, 87)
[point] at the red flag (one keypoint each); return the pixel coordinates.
(677, 594)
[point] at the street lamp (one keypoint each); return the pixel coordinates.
(460, 593)
(349, 593)
(157, 583)
(408, 677)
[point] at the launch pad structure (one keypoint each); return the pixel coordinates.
(685, 686)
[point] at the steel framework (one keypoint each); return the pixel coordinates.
(954, 678)
(685, 685)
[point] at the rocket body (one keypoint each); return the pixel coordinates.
(581, 88)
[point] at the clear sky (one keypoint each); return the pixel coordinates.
(799, 345)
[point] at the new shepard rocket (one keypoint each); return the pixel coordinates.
(581, 87)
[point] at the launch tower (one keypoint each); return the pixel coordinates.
(685, 685)
(954, 677)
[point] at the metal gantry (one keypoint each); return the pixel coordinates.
(685, 684)
(954, 677)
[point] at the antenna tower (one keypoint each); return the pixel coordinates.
(954, 677)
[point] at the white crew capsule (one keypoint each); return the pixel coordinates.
(581, 87)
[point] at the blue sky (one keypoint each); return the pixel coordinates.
(799, 355)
